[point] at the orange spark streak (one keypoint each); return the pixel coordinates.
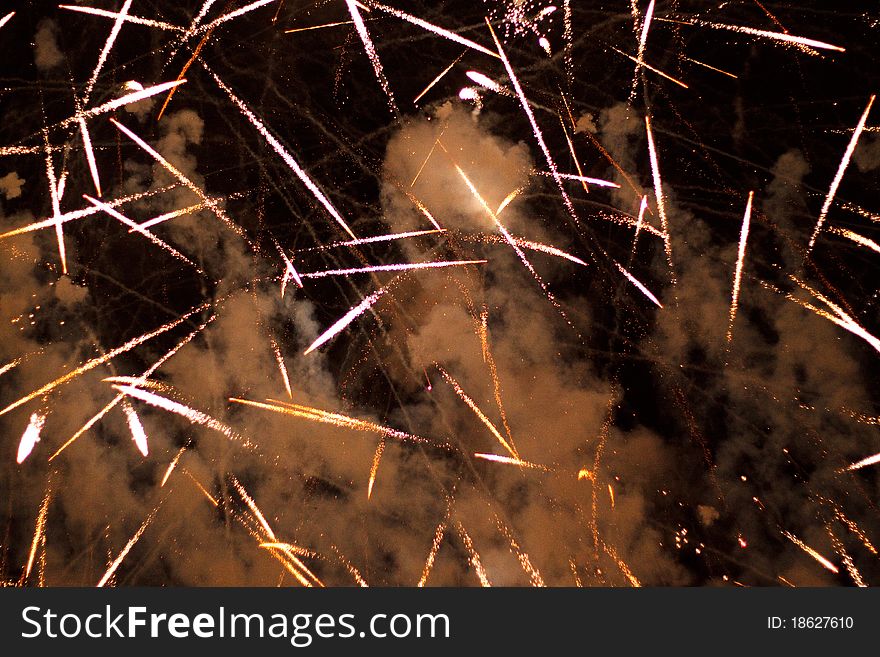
(374, 468)
(39, 532)
(844, 163)
(183, 71)
(127, 548)
(318, 27)
(432, 555)
(439, 31)
(512, 461)
(336, 419)
(173, 465)
(346, 319)
(489, 359)
(806, 548)
(370, 49)
(855, 237)
(280, 360)
(423, 209)
(138, 229)
(611, 552)
(201, 488)
(138, 435)
(396, 267)
(95, 362)
(473, 555)
(283, 153)
(191, 414)
(712, 68)
(658, 195)
(485, 420)
(523, 558)
(651, 68)
(138, 381)
(30, 437)
(737, 278)
(437, 79)
(137, 20)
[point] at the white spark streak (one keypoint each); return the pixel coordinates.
(855, 237)
(108, 46)
(30, 437)
(397, 267)
(371, 52)
(844, 163)
(658, 194)
(138, 435)
(346, 319)
(136, 228)
(56, 202)
(425, 25)
(864, 463)
(737, 278)
(6, 18)
(137, 20)
(778, 36)
(593, 181)
(282, 152)
(632, 279)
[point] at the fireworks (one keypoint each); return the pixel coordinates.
(343, 286)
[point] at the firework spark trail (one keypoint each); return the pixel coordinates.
(711, 68)
(175, 46)
(136, 382)
(510, 198)
(108, 46)
(804, 43)
(643, 42)
(281, 367)
(342, 323)
(39, 532)
(523, 558)
(568, 39)
(476, 409)
(10, 366)
(6, 18)
(434, 146)
(195, 54)
(137, 228)
(844, 163)
(855, 237)
(290, 272)
(208, 27)
(110, 355)
(514, 80)
(593, 181)
(632, 279)
(30, 437)
(489, 359)
(318, 27)
(806, 548)
(370, 49)
(654, 69)
(80, 214)
(640, 222)
(624, 568)
(137, 20)
(409, 266)
(134, 539)
(512, 242)
(855, 529)
(297, 568)
(138, 435)
(487, 83)
(658, 194)
(354, 572)
(574, 158)
(435, 547)
(282, 152)
(741, 256)
(373, 240)
(473, 555)
(848, 562)
(191, 414)
(336, 419)
(437, 79)
(174, 214)
(425, 25)
(864, 463)
(374, 468)
(195, 189)
(512, 461)
(173, 464)
(56, 202)
(90, 154)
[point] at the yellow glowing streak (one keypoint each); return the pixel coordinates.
(173, 465)
(437, 79)
(712, 68)
(855, 237)
(651, 68)
(432, 555)
(489, 359)
(474, 556)
(39, 532)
